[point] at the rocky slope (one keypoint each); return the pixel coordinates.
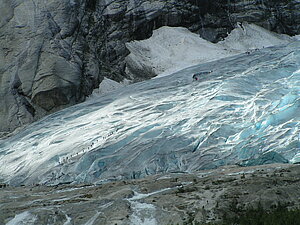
(54, 53)
(204, 196)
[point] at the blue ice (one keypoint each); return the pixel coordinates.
(246, 111)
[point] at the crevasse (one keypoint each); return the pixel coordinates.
(245, 112)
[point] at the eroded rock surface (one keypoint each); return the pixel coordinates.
(41, 60)
(204, 196)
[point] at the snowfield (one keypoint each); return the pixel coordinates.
(174, 48)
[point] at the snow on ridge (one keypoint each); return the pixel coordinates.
(246, 37)
(171, 49)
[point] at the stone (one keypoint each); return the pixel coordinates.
(190, 198)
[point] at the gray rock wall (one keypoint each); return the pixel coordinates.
(41, 59)
(53, 53)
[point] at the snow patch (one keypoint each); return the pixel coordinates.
(171, 49)
(106, 86)
(143, 214)
(247, 37)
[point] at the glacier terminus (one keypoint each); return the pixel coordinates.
(245, 112)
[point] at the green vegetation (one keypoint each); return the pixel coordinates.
(279, 216)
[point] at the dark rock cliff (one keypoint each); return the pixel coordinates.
(54, 53)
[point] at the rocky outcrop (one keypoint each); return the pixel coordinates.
(191, 198)
(54, 53)
(41, 60)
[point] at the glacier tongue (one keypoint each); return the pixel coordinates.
(246, 108)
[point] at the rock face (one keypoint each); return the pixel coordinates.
(41, 60)
(54, 53)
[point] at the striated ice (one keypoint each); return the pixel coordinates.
(245, 111)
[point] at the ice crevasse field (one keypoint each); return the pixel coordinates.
(246, 112)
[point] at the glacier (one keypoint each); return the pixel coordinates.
(245, 112)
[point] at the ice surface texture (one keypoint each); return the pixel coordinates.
(246, 108)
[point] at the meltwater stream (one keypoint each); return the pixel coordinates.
(247, 111)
